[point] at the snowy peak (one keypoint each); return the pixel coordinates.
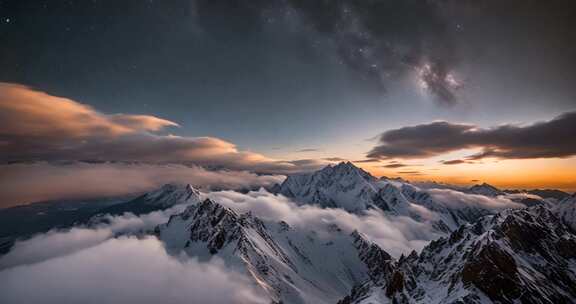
(347, 170)
(486, 190)
(342, 186)
(172, 194)
(355, 190)
(213, 224)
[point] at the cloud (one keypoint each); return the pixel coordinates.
(454, 162)
(397, 234)
(32, 182)
(457, 200)
(34, 115)
(125, 270)
(368, 160)
(308, 150)
(38, 126)
(546, 139)
(410, 172)
(335, 159)
(55, 243)
(394, 165)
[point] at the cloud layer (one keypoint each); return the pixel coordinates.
(55, 243)
(38, 126)
(397, 235)
(545, 139)
(41, 181)
(125, 270)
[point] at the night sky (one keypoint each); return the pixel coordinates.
(307, 80)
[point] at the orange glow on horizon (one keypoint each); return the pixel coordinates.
(514, 174)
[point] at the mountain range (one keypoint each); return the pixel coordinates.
(495, 246)
(514, 255)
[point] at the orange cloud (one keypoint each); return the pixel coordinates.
(38, 126)
(26, 112)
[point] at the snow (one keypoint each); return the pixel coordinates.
(354, 190)
(293, 265)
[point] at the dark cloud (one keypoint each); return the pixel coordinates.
(454, 162)
(308, 150)
(335, 159)
(369, 160)
(38, 126)
(410, 172)
(547, 139)
(394, 165)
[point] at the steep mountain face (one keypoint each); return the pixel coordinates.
(566, 211)
(343, 186)
(518, 256)
(293, 265)
(355, 190)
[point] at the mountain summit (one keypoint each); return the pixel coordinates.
(342, 186)
(355, 190)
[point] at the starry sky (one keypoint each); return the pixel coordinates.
(309, 81)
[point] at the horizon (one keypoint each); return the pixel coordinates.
(287, 151)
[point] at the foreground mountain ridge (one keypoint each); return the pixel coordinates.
(517, 256)
(291, 264)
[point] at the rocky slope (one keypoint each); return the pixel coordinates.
(293, 265)
(518, 256)
(566, 211)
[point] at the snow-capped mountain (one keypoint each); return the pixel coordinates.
(355, 190)
(342, 186)
(485, 189)
(566, 211)
(167, 196)
(518, 256)
(293, 265)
